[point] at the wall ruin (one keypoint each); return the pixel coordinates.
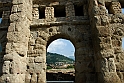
(95, 27)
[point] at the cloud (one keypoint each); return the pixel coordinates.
(56, 45)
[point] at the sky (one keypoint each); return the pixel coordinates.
(123, 43)
(62, 46)
(123, 37)
(65, 47)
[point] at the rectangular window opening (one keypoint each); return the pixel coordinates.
(59, 11)
(42, 13)
(122, 10)
(122, 7)
(108, 9)
(1, 12)
(79, 10)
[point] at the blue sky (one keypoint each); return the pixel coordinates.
(62, 46)
(65, 47)
(123, 37)
(123, 43)
(123, 10)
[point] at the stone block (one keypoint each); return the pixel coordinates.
(105, 46)
(70, 9)
(104, 20)
(31, 67)
(120, 66)
(38, 46)
(27, 78)
(103, 31)
(31, 42)
(40, 67)
(115, 8)
(14, 9)
(113, 78)
(120, 74)
(35, 13)
(16, 2)
(12, 56)
(49, 14)
(107, 53)
(102, 65)
(111, 65)
(17, 78)
(11, 28)
(39, 60)
(15, 67)
(34, 78)
(40, 40)
(14, 17)
(6, 67)
(117, 50)
(13, 37)
(31, 59)
(21, 8)
(116, 43)
(42, 77)
(9, 48)
(20, 49)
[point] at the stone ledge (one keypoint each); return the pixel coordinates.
(39, 22)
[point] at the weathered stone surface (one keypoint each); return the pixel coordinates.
(6, 67)
(39, 60)
(29, 26)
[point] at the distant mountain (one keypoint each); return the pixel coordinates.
(53, 57)
(72, 57)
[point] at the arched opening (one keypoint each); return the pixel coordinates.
(60, 61)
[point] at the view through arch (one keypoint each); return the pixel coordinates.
(60, 61)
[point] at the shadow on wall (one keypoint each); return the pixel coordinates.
(0, 48)
(60, 76)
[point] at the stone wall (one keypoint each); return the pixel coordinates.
(60, 75)
(107, 30)
(15, 50)
(29, 26)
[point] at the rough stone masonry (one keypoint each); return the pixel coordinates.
(95, 27)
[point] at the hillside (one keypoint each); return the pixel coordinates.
(53, 57)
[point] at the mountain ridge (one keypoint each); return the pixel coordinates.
(52, 58)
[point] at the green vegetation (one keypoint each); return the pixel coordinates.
(70, 66)
(49, 67)
(52, 58)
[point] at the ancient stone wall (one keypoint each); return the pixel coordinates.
(17, 36)
(107, 30)
(95, 27)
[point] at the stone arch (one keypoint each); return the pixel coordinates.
(63, 74)
(63, 36)
(84, 56)
(80, 37)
